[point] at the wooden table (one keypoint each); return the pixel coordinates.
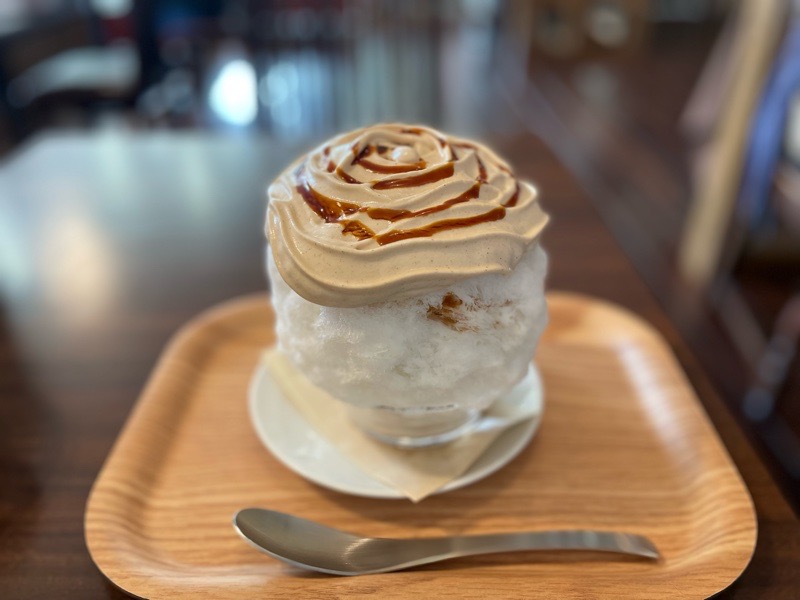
(109, 242)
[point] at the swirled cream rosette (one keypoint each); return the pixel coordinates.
(391, 212)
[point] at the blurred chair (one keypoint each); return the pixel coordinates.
(727, 95)
(741, 244)
(82, 76)
(778, 250)
(722, 121)
(63, 62)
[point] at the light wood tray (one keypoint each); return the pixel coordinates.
(624, 445)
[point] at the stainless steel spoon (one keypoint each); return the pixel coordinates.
(314, 546)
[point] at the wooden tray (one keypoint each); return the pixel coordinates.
(624, 445)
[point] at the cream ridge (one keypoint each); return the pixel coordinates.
(394, 211)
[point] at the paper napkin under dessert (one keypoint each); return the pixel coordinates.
(415, 473)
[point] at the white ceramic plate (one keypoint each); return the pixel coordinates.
(286, 434)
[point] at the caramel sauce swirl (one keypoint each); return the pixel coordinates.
(432, 176)
(391, 211)
(429, 230)
(384, 167)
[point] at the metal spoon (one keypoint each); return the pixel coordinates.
(314, 546)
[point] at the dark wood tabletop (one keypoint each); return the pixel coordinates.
(110, 241)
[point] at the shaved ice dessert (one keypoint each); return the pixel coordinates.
(407, 277)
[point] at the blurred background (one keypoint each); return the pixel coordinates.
(680, 119)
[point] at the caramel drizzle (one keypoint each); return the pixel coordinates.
(365, 151)
(396, 168)
(346, 177)
(341, 173)
(420, 131)
(482, 174)
(389, 237)
(357, 229)
(333, 211)
(447, 313)
(511, 202)
(329, 209)
(361, 159)
(437, 174)
(393, 214)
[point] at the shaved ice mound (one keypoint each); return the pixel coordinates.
(466, 344)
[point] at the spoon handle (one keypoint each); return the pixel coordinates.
(598, 541)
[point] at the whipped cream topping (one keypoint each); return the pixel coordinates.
(394, 211)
